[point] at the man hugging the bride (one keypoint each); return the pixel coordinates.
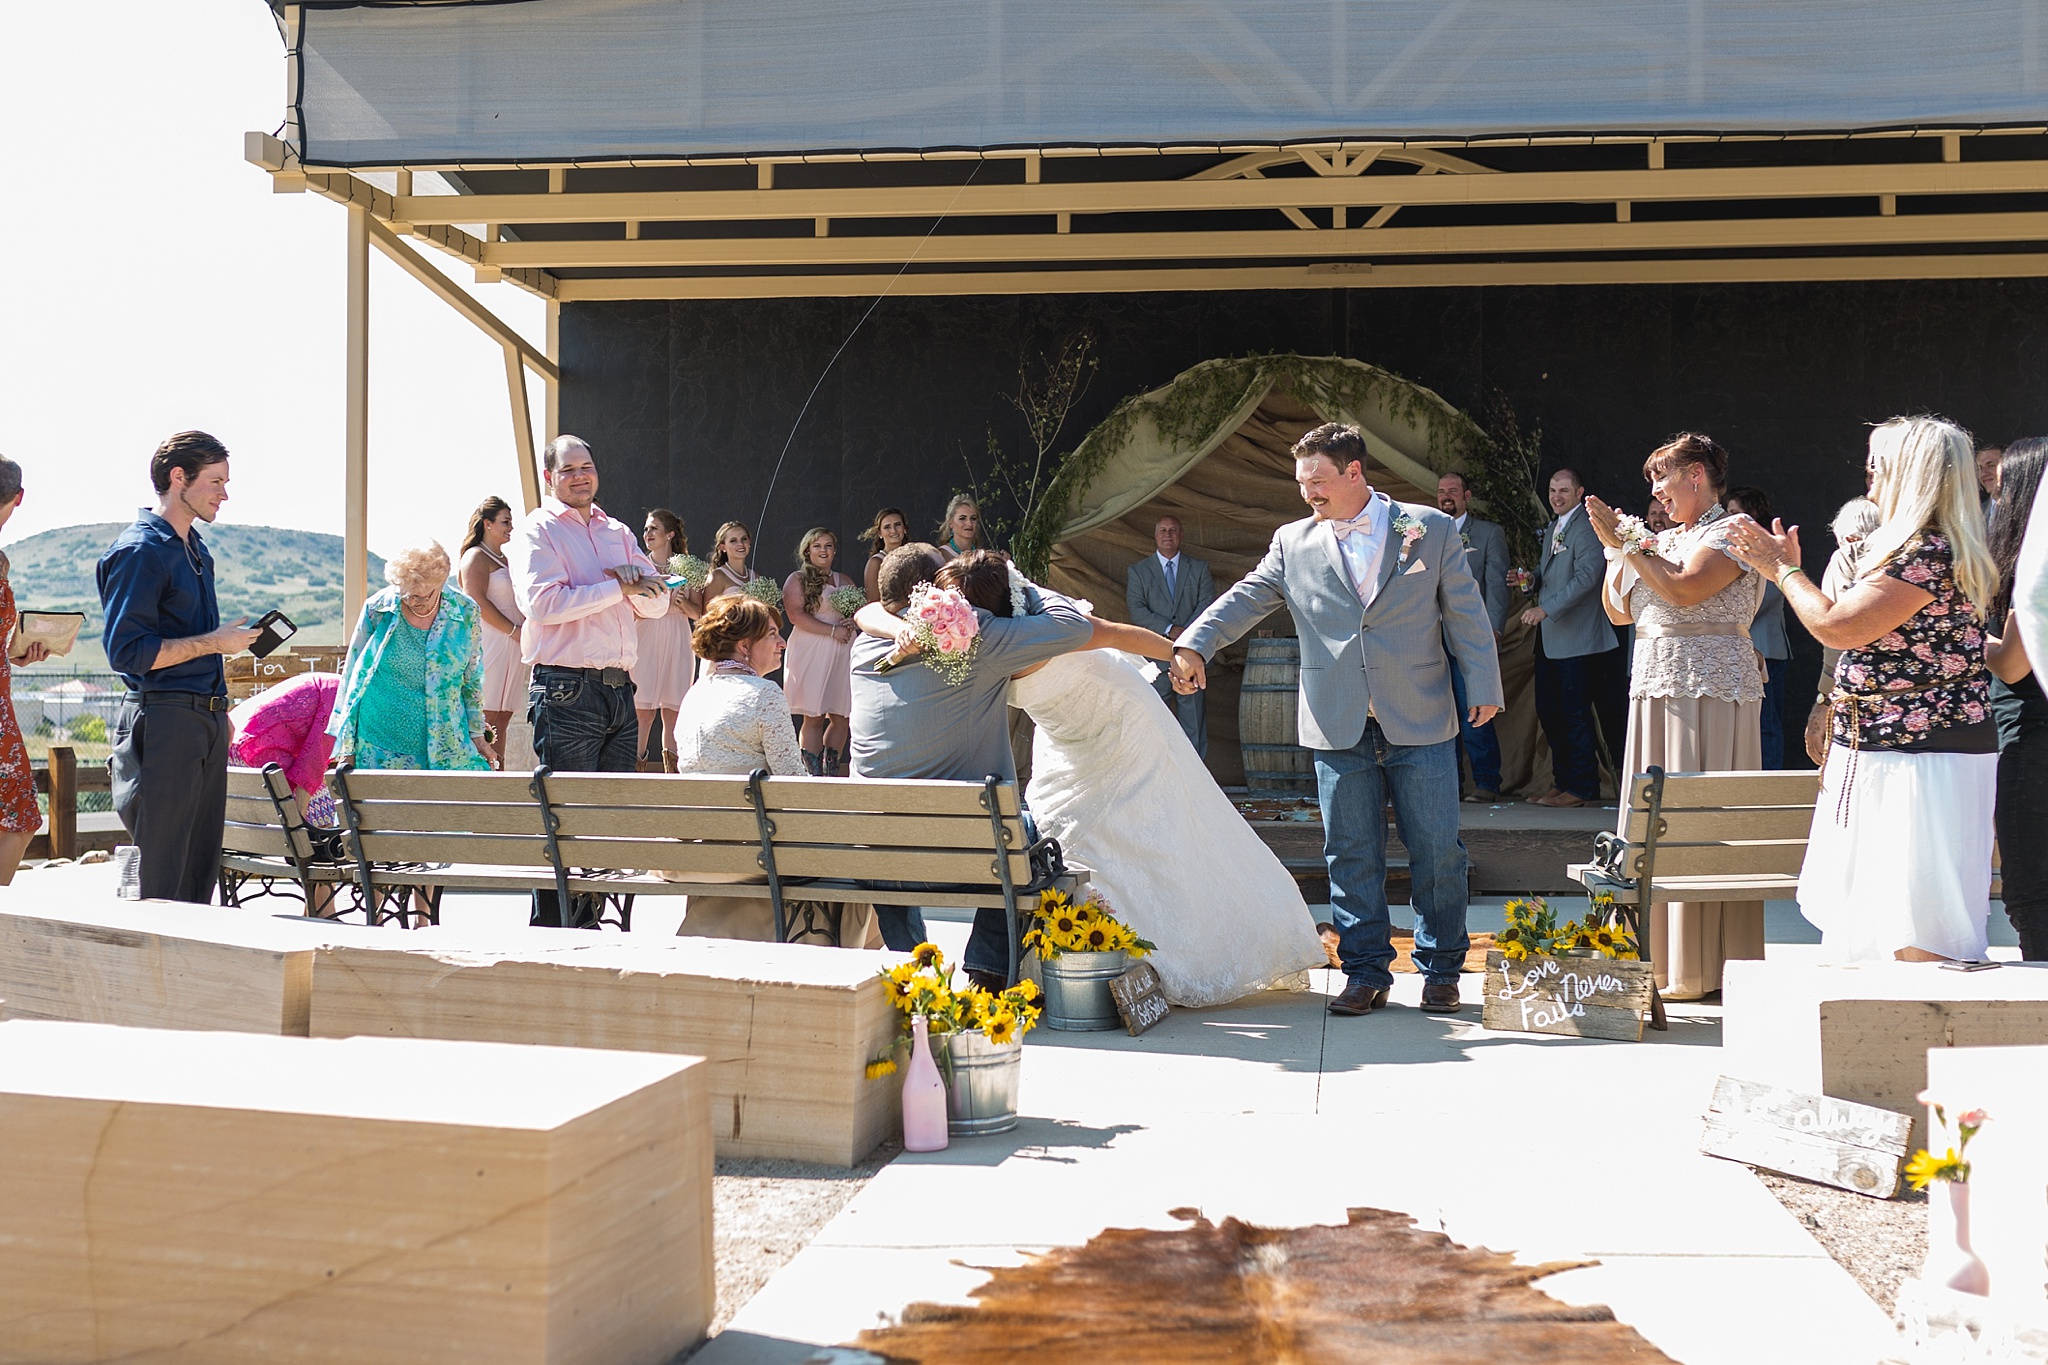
(1113, 776)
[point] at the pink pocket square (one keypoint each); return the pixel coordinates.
(1417, 567)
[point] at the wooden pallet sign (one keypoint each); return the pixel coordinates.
(1574, 997)
(1851, 1146)
(1140, 998)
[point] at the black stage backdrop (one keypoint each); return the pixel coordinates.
(689, 404)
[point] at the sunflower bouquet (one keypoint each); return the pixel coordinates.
(1533, 931)
(924, 986)
(1060, 926)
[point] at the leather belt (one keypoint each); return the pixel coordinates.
(604, 677)
(196, 700)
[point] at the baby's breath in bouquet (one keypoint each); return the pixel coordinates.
(847, 600)
(763, 590)
(694, 572)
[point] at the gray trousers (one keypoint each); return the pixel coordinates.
(1192, 710)
(170, 776)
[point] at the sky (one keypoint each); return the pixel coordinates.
(157, 284)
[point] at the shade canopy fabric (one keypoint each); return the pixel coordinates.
(566, 80)
(1231, 486)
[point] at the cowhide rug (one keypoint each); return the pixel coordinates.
(1376, 1289)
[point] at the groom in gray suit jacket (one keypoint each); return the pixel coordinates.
(1165, 592)
(1378, 591)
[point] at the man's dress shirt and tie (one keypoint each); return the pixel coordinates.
(1166, 594)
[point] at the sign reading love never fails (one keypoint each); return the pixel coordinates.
(1576, 997)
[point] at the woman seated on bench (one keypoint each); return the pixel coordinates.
(734, 720)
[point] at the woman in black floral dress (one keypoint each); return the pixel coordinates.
(1898, 864)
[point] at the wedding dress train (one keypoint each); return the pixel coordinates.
(1115, 780)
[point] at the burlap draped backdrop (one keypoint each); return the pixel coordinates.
(1232, 488)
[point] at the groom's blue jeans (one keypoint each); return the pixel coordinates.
(1353, 786)
(1482, 742)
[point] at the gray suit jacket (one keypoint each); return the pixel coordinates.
(1387, 658)
(1486, 554)
(1150, 607)
(1568, 590)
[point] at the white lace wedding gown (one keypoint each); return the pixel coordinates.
(1115, 780)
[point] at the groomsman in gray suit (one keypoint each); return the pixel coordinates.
(1572, 635)
(1165, 592)
(1486, 554)
(1383, 601)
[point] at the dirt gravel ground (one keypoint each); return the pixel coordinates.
(765, 1211)
(1880, 1242)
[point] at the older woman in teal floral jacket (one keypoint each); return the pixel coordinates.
(412, 688)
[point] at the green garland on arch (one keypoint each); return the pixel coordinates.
(1194, 405)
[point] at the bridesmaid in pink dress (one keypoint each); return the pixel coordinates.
(487, 581)
(661, 678)
(817, 672)
(19, 816)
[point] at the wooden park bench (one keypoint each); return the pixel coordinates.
(616, 837)
(1725, 836)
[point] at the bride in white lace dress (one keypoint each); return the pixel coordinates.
(1115, 780)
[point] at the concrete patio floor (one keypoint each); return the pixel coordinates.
(1271, 1111)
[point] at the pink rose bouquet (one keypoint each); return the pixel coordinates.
(948, 633)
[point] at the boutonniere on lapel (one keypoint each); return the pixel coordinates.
(1409, 528)
(1557, 536)
(1465, 539)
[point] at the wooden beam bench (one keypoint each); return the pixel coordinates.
(613, 837)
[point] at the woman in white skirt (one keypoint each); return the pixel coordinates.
(1696, 689)
(488, 583)
(661, 675)
(1899, 861)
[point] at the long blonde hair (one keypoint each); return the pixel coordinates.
(815, 579)
(1924, 478)
(718, 542)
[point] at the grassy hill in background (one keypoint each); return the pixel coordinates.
(258, 568)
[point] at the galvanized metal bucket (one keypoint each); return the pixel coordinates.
(981, 1084)
(1077, 998)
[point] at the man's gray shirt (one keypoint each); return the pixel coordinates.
(909, 722)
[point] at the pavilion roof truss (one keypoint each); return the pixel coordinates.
(1925, 204)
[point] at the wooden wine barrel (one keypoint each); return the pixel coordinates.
(1275, 764)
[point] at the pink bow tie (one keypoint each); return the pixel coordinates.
(1362, 526)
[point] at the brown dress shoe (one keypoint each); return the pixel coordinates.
(1328, 934)
(1441, 997)
(1482, 797)
(1560, 800)
(1359, 998)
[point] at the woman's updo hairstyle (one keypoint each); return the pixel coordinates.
(1690, 448)
(728, 623)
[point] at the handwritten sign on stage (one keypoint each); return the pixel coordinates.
(1578, 997)
(1851, 1146)
(1139, 997)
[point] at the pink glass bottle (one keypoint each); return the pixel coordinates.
(924, 1095)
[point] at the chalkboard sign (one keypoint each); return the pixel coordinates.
(1578, 997)
(1139, 998)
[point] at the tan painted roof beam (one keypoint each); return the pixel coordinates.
(1333, 276)
(1718, 234)
(1509, 187)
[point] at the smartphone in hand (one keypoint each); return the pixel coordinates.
(273, 629)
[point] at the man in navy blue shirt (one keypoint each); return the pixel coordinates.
(165, 639)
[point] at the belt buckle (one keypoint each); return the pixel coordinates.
(615, 677)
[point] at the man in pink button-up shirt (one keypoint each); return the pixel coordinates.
(582, 581)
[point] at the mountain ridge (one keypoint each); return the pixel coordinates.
(257, 568)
